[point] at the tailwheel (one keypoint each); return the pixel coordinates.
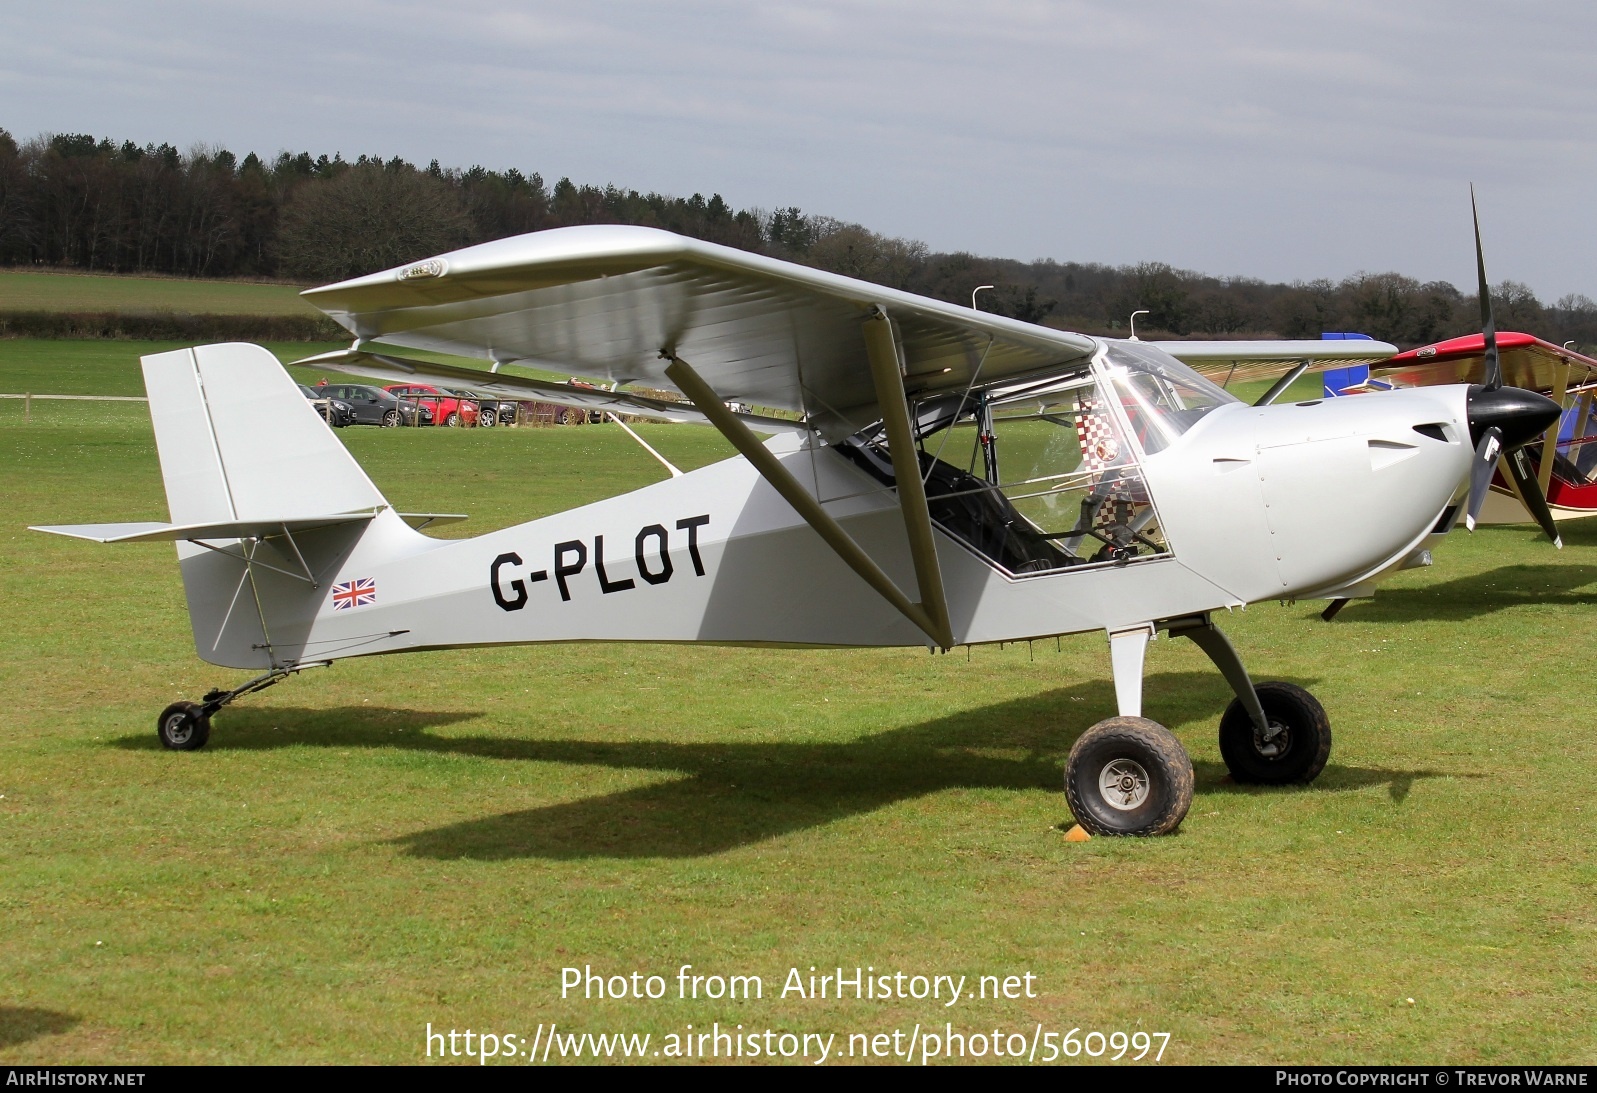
(183, 726)
(1294, 748)
(1128, 776)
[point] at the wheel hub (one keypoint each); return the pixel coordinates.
(1274, 743)
(1124, 784)
(179, 728)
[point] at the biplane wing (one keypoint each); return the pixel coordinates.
(1527, 362)
(1566, 460)
(623, 304)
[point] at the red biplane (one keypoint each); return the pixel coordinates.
(1565, 461)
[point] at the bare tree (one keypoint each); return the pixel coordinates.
(372, 216)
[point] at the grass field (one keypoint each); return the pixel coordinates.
(92, 292)
(376, 846)
(111, 367)
(108, 367)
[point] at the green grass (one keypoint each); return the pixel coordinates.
(111, 367)
(372, 847)
(108, 367)
(105, 292)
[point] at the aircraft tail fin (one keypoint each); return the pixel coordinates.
(238, 440)
(267, 506)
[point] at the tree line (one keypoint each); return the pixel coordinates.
(81, 202)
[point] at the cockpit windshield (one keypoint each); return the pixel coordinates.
(1162, 397)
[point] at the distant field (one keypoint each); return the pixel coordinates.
(89, 292)
(108, 367)
(432, 838)
(111, 366)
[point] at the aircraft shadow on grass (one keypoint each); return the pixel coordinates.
(1480, 594)
(726, 795)
(19, 1024)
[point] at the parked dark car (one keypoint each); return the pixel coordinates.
(374, 406)
(497, 411)
(335, 411)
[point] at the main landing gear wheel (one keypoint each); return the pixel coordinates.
(1128, 776)
(1295, 749)
(183, 726)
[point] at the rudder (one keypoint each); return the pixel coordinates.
(239, 441)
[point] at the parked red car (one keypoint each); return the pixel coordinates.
(448, 407)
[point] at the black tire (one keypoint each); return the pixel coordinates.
(183, 727)
(453, 421)
(1128, 776)
(392, 420)
(1297, 754)
(488, 418)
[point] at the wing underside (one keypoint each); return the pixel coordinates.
(1240, 361)
(387, 368)
(619, 304)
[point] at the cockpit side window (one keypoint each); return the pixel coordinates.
(1035, 481)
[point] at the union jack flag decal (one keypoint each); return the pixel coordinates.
(356, 593)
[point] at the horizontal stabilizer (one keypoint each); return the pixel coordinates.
(155, 532)
(424, 519)
(390, 369)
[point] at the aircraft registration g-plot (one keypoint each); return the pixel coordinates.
(945, 477)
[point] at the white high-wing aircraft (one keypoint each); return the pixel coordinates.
(937, 476)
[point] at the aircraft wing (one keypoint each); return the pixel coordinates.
(1527, 361)
(606, 301)
(1245, 360)
(388, 368)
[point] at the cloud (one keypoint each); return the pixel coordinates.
(1286, 139)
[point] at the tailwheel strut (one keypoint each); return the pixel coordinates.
(186, 726)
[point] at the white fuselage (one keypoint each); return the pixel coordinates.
(1284, 501)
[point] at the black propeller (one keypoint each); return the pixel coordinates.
(1481, 468)
(1502, 420)
(1494, 366)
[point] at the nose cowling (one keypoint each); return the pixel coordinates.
(1520, 415)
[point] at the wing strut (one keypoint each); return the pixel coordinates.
(931, 614)
(889, 379)
(1550, 442)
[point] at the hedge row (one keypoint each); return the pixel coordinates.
(169, 326)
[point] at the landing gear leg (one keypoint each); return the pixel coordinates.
(1271, 734)
(186, 726)
(1128, 775)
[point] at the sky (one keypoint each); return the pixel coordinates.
(1283, 140)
